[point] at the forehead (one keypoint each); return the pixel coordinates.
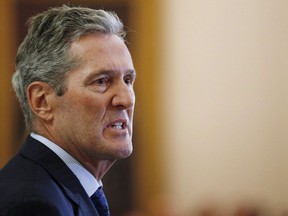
(101, 52)
(99, 44)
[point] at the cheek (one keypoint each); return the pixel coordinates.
(93, 108)
(82, 107)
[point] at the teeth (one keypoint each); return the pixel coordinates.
(117, 125)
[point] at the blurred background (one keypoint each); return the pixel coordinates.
(211, 122)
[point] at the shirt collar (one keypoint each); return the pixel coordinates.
(87, 180)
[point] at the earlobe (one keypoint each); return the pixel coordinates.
(38, 96)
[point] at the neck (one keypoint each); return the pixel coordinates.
(98, 169)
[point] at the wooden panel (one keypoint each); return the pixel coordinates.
(6, 69)
(148, 174)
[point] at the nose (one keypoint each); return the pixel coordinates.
(124, 96)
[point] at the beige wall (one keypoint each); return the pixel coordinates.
(223, 104)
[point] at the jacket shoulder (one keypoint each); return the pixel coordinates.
(25, 186)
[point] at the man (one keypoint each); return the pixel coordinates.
(74, 80)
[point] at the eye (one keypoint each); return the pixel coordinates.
(101, 81)
(129, 80)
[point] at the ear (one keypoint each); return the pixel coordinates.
(39, 95)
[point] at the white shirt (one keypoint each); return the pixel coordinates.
(87, 180)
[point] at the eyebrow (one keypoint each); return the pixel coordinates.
(132, 73)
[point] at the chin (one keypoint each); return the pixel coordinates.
(124, 153)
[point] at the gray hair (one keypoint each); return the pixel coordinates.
(44, 53)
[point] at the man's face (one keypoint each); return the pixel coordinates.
(93, 119)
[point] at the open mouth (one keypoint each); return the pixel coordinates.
(119, 125)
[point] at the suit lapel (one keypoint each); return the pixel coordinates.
(39, 153)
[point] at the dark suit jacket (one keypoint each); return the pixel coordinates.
(37, 182)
